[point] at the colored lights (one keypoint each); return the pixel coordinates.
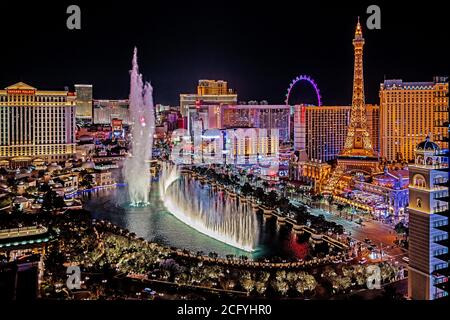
(308, 79)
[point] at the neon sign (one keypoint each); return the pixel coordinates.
(21, 91)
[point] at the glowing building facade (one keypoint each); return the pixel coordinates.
(409, 111)
(239, 146)
(83, 102)
(321, 130)
(106, 110)
(36, 125)
(256, 116)
(208, 92)
(358, 155)
(243, 116)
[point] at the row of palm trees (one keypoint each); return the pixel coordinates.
(271, 199)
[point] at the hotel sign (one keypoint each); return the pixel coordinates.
(21, 91)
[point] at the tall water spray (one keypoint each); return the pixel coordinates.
(136, 168)
(217, 216)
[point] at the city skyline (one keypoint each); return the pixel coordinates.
(331, 185)
(257, 50)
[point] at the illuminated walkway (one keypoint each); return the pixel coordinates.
(22, 232)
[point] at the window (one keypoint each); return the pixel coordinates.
(440, 266)
(419, 181)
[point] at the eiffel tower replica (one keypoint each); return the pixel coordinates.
(357, 155)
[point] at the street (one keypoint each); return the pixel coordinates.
(380, 234)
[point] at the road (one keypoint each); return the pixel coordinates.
(381, 234)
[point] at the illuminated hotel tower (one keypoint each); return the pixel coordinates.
(35, 125)
(358, 154)
(321, 131)
(409, 111)
(428, 223)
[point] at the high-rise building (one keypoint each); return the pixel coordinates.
(408, 114)
(428, 223)
(240, 146)
(321, 130)
(84, 102)
(261, 116)
(36, 124)
(106, 110)
(443, 138)
(358, 154)
(212, 87)
(243, 116)
(208, 92)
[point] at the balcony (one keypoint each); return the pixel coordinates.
(443, 242)
(443, 198)
(444, 168)
(443, 257)
(441, 224)
(440, 182)
(441, 272)
(442, 285)
(441, 210)
(442, 227)
(443, 213)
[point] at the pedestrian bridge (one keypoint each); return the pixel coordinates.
(22, 232)
(26, 236)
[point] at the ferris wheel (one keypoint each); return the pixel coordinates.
(310, 81)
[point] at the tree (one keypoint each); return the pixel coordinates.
(16, 209)
(271, 199)
(259, 193)
(59, 202)
(280, 286)
(261, 287)
(284, 204)
(31, 190)
(247, 189)
(44, 187)
(246, 281)
(5, 201)
(340, 208)
(227, 283)
(400, 228)
(52, 201)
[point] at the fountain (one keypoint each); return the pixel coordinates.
(214, 215)
(136, 167)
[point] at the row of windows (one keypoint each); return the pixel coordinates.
(440, 266)
(440, 251)
(440, 280)
(31, 98)
(440, 194)
(440, 237)
(440, 294)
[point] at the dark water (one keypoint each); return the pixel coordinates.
(155, 223)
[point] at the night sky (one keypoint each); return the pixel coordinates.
(258, 47)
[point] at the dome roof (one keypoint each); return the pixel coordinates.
(427, 145)
(85, 138)
(88, 165)
(54, 166)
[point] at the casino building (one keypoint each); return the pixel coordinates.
(36, 125)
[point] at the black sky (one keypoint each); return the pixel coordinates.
(259, 47)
